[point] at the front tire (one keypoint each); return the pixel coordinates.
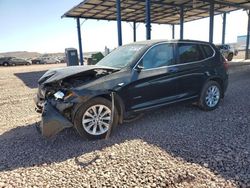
(93, 118)
(5, 64)
(210, 96)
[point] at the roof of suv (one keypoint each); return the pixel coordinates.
(152, 42)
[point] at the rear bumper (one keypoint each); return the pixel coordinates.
(52, 122)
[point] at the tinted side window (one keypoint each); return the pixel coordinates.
(208, 51)
(158, 56)
(189, 53)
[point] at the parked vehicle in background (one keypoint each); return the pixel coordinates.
(12, 61)
(4, 60)
(49, 60)
(131, 79)
(45, 60)
(93, 58)
(235, 51)
(227, 51)
(62, 59)
(36, 61)
(97, 57)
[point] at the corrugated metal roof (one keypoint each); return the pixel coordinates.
(162, 11)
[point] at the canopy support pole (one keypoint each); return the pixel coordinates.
(148, 20)
(248, 36)
(173, 31)
(119, 22)
(181, 22)
(224, 27)
(134, 31)
(211, 21)
(79, 40)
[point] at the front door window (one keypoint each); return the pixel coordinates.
(158, 56)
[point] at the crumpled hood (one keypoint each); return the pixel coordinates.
(57, 74)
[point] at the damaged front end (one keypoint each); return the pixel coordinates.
(52, 121)
(56, 99)
(55, 114)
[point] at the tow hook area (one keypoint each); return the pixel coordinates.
(52, 121)
(39, 105)
(38, 110)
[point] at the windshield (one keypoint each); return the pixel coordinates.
(121, 56)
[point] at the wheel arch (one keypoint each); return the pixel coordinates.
(118, 104)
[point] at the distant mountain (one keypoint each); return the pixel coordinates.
(29, 55)
(21, 54)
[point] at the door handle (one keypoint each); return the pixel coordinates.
(173, 69)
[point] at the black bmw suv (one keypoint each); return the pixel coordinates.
(133, 78)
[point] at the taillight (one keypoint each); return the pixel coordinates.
(225, 63)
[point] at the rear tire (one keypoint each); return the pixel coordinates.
(92, 120)
(210, 96)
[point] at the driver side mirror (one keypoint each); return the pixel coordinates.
(139, 67)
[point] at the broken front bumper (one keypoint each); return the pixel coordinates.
(52, 121)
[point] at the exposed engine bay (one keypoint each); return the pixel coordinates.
(73, 81)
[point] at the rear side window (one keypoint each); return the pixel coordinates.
(189, 53)
(208, 51)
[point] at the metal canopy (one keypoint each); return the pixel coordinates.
(156, 11)
(161, 11)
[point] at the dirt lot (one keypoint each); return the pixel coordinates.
(176, 146)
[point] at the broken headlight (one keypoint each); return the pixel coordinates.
(63, 95)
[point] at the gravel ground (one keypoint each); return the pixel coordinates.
(176, 146)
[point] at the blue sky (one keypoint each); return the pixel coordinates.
(28, 25)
